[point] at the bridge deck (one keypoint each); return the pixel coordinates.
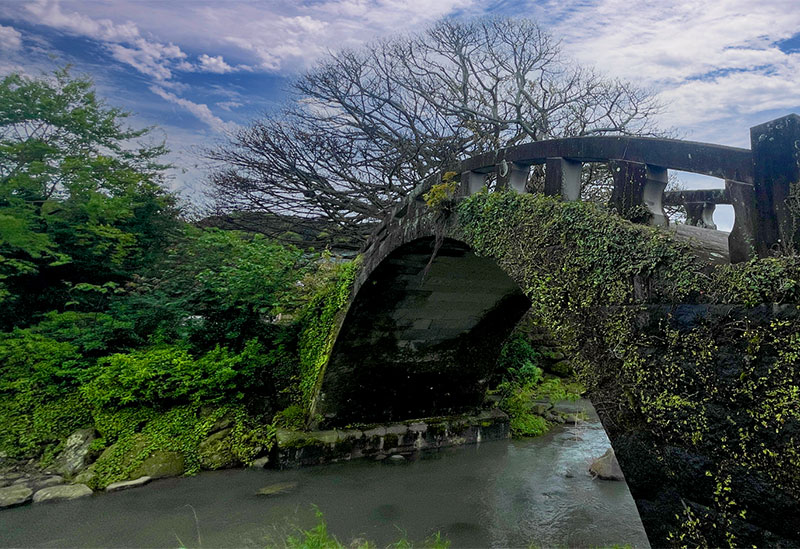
(709, 244)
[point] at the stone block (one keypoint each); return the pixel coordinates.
(62, 493)
(160, 464)
(74, 457)
(606, 467)
(125, 484)
(13, 496)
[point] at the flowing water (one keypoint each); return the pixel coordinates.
(497, 494)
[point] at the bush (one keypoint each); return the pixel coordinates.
(519, 362)
(39, 400)
(92, 333)
(38, 364)
(215, 288)
(170, 375)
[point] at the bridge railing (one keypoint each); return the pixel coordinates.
(758, 181)
(699, 204)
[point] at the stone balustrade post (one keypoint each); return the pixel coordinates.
(562, 178)
(776, 183)
(741, 241)
(700, 214)
(638, 184)
(472, 182)
(518, 177)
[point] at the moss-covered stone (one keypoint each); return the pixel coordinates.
(390, 441)
(216, 451)
(160, 464)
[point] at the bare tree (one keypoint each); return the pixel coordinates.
(366, 126)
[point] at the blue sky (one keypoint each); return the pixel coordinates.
(198, 69)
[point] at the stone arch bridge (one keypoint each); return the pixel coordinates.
(420, 329)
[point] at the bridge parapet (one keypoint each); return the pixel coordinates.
(758, 181)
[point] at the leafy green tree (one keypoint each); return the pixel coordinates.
(215, 287)
(82, 204)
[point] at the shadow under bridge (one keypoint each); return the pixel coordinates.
(421, 337)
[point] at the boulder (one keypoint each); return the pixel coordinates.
(62, 493)
(125, 484)
(11, 496)
(10, 477)
(74, 457)
(44, 482)
(86, 476)
(160, 464)
(260, 463)
(215, 451)
(606, 467)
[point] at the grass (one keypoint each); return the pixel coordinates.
(319, 537)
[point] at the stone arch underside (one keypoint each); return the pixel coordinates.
(421, 337)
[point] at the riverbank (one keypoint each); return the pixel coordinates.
(505, 493)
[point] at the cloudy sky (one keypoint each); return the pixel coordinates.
(199, 68)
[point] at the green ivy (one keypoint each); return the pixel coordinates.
(320, 321)
(726, 389)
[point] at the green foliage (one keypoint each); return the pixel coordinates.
(169, 375)
(519, 407)
(132, 434)
(524, 383)
(555, 389)
(92, 334)
(291, 417)
(772, 279)
(215, 287)
(39, 401)
(518, 361)
(315, 538)
(39, 363)
(440, 198)
(80, 201)
(318, 537)
(320, 322)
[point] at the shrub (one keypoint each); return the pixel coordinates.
(170, 374)
(91, 333)
(39, 400)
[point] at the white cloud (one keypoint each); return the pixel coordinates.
(10, 38)
(288, 36)
(49, 13)
(199, 110)
(214, 64)
(150, 58)
(714, 64)
(229, 105)
(123, 40)
(672, 41)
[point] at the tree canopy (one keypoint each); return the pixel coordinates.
(365, 126)
(81, 198)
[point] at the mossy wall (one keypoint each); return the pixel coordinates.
(320, 324)
(693, 368)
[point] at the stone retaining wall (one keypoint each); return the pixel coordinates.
(299, 448)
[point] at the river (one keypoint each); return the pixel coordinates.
(496, 494)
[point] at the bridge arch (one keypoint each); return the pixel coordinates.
(421, 335)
